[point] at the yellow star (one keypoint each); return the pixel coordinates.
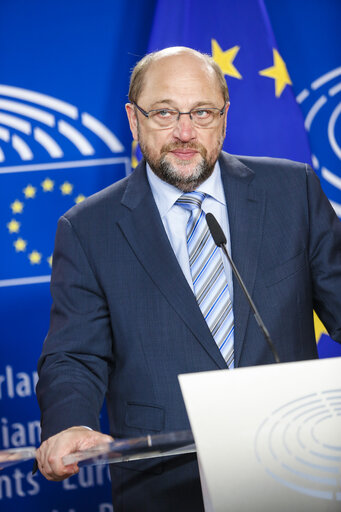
(17, 206)
(47, 185)
(49, 260)
(278, 72)
(79, 198)
(20, 245)
(134, 160)
(225, 59)
(66, 188)
(34, 257)
(319, 328)
(13, 226)
(29, 192)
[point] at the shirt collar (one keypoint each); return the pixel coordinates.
(165, 194)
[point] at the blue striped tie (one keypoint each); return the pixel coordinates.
(209, 280)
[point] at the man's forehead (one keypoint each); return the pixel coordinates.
(179, 72)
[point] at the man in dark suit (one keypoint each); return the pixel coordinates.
(126, 318)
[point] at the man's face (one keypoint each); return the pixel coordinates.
(182, 155)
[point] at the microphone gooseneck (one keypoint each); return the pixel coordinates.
(220, 240)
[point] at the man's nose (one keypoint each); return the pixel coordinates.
(184, 129)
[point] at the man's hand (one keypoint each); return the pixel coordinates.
(51, 452)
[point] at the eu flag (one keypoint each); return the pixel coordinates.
(283, 95)
(31, 203)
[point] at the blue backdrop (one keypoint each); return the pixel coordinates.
(64, 78)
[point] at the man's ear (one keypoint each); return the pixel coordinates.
(132, 118)
(225, 116)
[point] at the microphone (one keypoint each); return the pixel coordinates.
(220, 240)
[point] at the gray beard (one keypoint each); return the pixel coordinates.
(167, 173)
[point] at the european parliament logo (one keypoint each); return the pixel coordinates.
(36, 124)
(322, 108)
(52, 156)
(298, 445)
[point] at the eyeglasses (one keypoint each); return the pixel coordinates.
(163, 118)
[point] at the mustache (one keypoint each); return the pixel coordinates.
(166, 148)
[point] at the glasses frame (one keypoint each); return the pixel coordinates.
(147, 114)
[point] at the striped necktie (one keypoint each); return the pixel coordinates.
(208, 274)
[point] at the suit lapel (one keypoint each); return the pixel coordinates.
(142, 226)
(245, 206)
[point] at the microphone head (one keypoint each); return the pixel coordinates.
(215, 229)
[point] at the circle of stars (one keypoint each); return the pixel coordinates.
(18, 207)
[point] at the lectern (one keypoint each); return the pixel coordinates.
(268, 438)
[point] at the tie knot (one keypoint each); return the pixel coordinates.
(191, 200)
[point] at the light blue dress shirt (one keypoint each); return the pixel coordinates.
(175, 218)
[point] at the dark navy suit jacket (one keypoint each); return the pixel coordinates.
(125, 322)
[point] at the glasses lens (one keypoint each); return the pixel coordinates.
(205, 117)
(164, 118)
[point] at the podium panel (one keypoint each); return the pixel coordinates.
(268, 437)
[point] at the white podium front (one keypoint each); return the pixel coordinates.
(268, 437)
